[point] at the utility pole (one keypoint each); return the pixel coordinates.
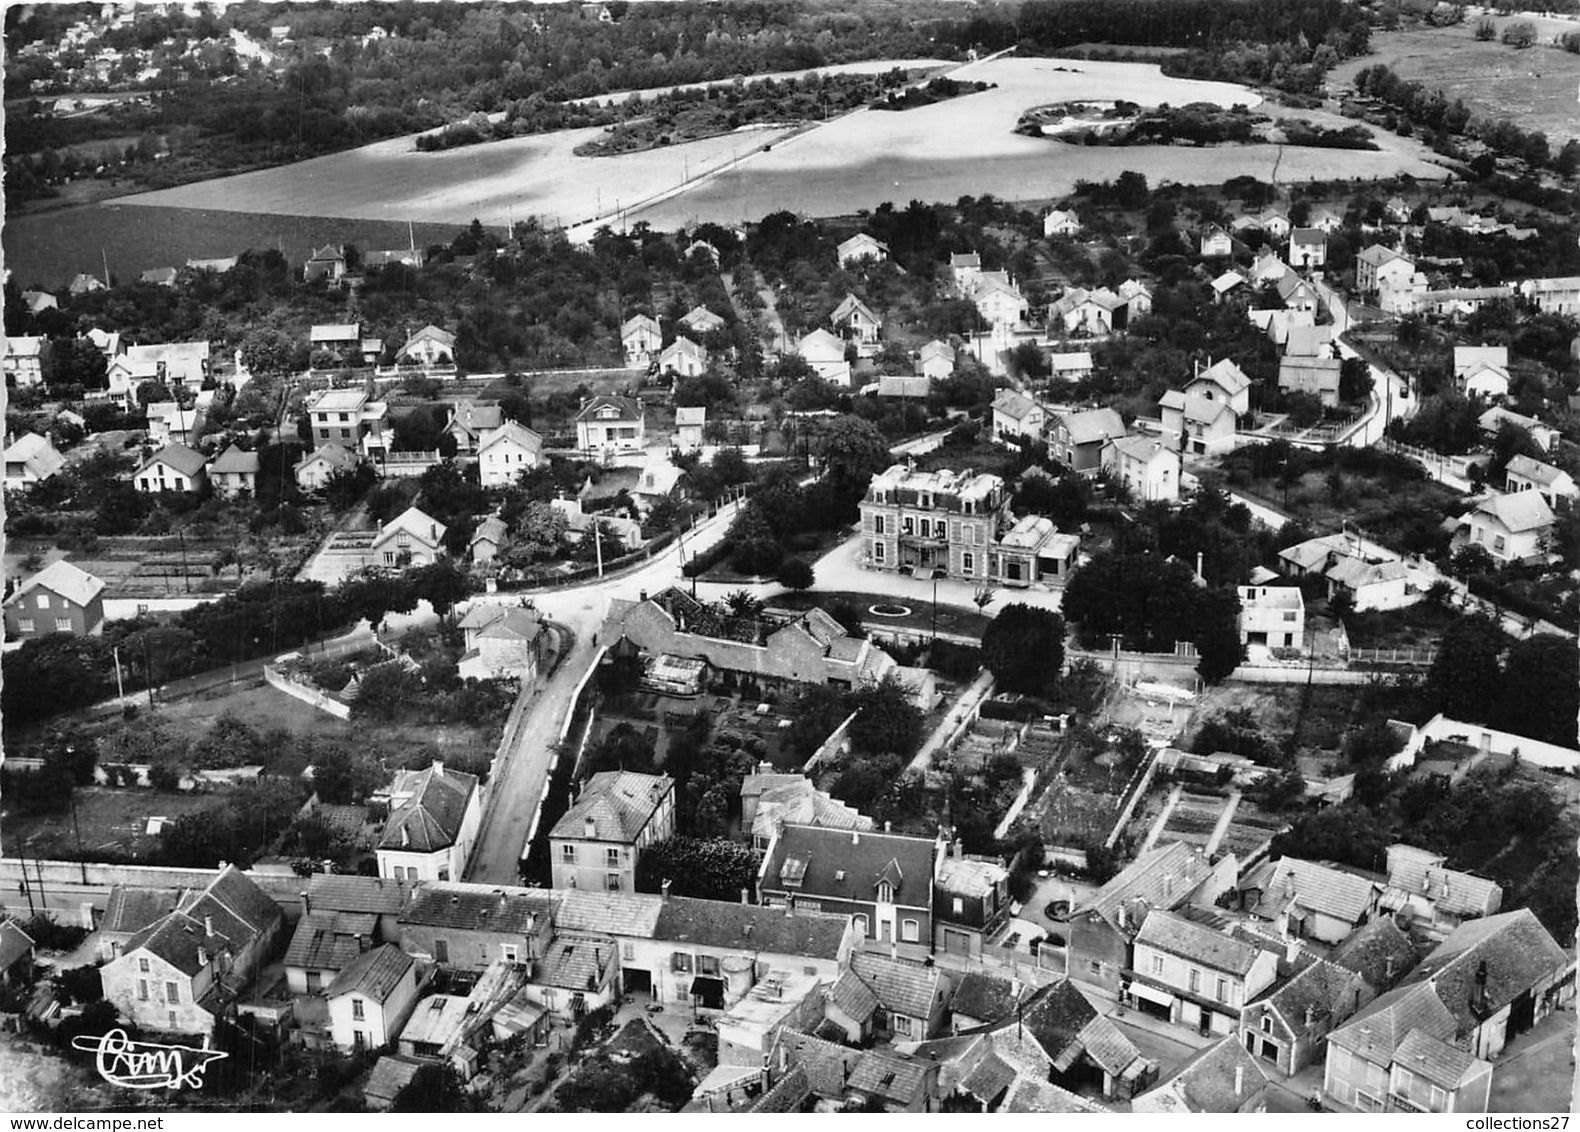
(598, 545)
(120, 688)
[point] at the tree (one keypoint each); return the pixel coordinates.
(1024, 649)
(537, 535)
(1355, 379)
(266, 352)
(706, 869)
(796, 574)
(853, 451)
(436, 1087)
(421, 431)
(887, 720)
(1218, 635)
(1349, 834)
(441, 584)
(375, 594)
(1541, 689)
(1465, 678)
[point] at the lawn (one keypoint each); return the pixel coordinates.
(1382, 505)
(1416, 626)
(110, 820)
(1534, 87)
(917, 619)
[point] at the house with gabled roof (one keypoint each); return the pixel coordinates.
(700, 320)
(323, 942)
(409, 539)
(503, 453)
(683, 358)
(1149, 469)
(1077, 438)
(879, 994)
(577, 974)
(30, 459)
(1423, 887)
(1309, 900)
(608, 424)
(1103, 926)
(490, 535)
(882, 881)
(430, 346)
(175, 467)
(503, 643)
(379, 897)
(433, 818)
(1060, 222)
(24, 360)
(1224, 1077)
(970, 900)
(826, 355)
(16, 953)
(1380, 953)
(1510, 527)
(964, 268)
(314, 471)
(1286, 1024)
(983, 999)
(861, 247)
(1308, 248)
(327, 262)
(349, 418)
(39, 301)
(599, 840)
(1525, 473)
(233, 472)
(469, 420)
(1358, 1071)
(1313, 376)
(935, 361)
(999, 301)
(770, 800)
(1482, 371)
(182, 973)
(1017, 416)
(1225, 284)
(857, 322)
(1196, 975)
(472, 926)
(1215, 242)
(690, 424)
(642, 337)
(371, 998)
(1084, 1048)
(1298, 295)
(128, 910)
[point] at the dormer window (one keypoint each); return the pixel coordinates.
(885, 892)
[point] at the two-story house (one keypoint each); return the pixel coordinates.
(1198, 425)
(433, 818)
(1104, 925)
(1379, 266)
(502, 642)
(599, 840)
(879, 994)
(1307, 900)
(1000, 303)
(577, 974)
(769, 800)
(970, 900)
(964, 268)
(428, 347)
(327, 263)
(1525, 473)
(691, 423)
(1314, 376)
(1272, 616)
(609, 424)
(234, 473)
(60, 598)
(1422, 887)
(24, 360)
(683, 358)
(409, 539)
(1148, 469)
(1017, 416)
(642, 338)
(1083, 1047)
(856, 322)
(882, 881)
(323, 943)
(371, 998)
(1287, 1024)
(469, 420)
(472, 926)
(30, 459)
(1061, 222)
(826, 355)
(175, 467)
(179, 365)
(314, 471)
(1223, 1077)
(1077, 438)
(1195, 975)
(1511, 528)
(1308, 248)
(182, 973)
(861, 247)
(350, 419)
(505, 452)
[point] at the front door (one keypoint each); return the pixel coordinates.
(885, 930)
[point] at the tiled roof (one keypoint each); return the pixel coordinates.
(1461, 894)
(575, 962)
(1322, 988)
(629, 408)
(1435, 1059)
(788, 1093)
(1317, 888)
(330, 454)
(618, 803)
(328, 941)
(1066, 1025)
(988, 998)
(1534, 470)
(415, 523)
(823, 1062)
(378, 895)
(234, 460)
(638, 322)
(131, 909)
(610, 913)
(373, 974)
(14, 944)
(390, 1075)
(1206, 1082)
(1519, 511)
(850, 305)
(1226, 375)
(991, 1078)
(1179, 936)
(491, 529)
(228, 915)
(1013, 404)
(750, 927)
(477, 907)
(851, 995)
(1030, 1094)
(35, 451)
(430, 818)
(902, 987)
(1377, 1030)
(884, 1075)
(1162, 878)
(969, 876)
(60, 577)
(1092, 425)
(845, 865)
(1516, 949)
(187, 461)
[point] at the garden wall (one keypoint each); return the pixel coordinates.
(306, 693)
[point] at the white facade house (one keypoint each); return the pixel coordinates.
(434, 815)
(24, 365)
(30, 459)
(861, 248)
(370, 1000)
(642, 338)
(317, 468)
(1511, 528)
(683, 358)
(1149, 469)
(412, 538)
(826, 355)
(174, 467)
(1017, 416)
(936, 360)
(1526, 474)
(1482, 371)
(610, 424)
(507, 451)
(1061, 222)
(690, 423)
(1274, 616)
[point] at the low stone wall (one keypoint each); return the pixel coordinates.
(306, 693)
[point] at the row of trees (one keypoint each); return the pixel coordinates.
(1530, 687)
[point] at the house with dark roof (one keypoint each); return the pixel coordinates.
(886, 995)
(577, 974)
(1224, 1077)
(841, 1075)
(1195, 975)
(128, 910)
(183, 972)
(322, 944)
(390, 1075)
(1309, 900)
(469, 420)
(234, 472)
(327, 262)
(882, 881)
(1420, 885)
(970, 900)
(1077, 438)
(175, 467)
(1287, 1023)
(982, 999)
(371, 998)
(598, 841)
(16, 952)
(471, 926)
(60, 598)
(1083, 1047)
(434, 814)
(1381, 953)
(380, 897)
(1525, 473)
(1104, 925)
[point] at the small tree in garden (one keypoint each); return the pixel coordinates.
(796, 574)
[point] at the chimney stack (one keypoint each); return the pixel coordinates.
(202, 957)
(855, 837)
(746, 895)
(958, 848)
(1239, 1080)
(438, 767)
(888, 826)
(663, 890)
(208, 930)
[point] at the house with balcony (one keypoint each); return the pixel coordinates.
(1195, 975)
(409, 539)
(1511, 528)
(1148, 469)
(597, 843)
(182, 973)
(1286, 1025)
(882, 881)
(434, 815)
(1272, 616)
(470, 927)
(60, 598)
(1103, 926)
(1308, 900)
(349, 419)
(609, 424)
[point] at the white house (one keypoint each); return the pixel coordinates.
(1061, 222)
(433, 819)
(1274, 616)
(642, 338)
(999, 302)
(1308, 248)
(409, 539)
(429, 346)
(317, 468)
(936, 360)
(505, 452)
(1215, 242)
(370, 999)
(24, 361)
(1526, 474)
(234, 472)
(609, 424)
(861, 247)
(826, 355)
(1017, 416)
(700, 320)
(174, 467)
(683, 358)
(690, 423)
(1511, 528)
(1149, 470)
(1072, 365)
(1482, 371)
(857, 322)
(30, 459)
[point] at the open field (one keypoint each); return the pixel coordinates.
(111, 820)
(1534, 87)
(939, 152)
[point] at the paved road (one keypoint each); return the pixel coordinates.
(1389, 399)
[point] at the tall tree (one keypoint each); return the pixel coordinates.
(853, 451)
(1541, 689)
(1024, 649)
(1465, 678)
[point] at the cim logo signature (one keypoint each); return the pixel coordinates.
(147, 1065)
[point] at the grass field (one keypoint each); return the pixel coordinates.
(1534, 87)
(111, 820)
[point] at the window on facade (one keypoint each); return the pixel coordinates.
(389, 558)
(612, 856)
(628, 950)
(680, 962)
(43, 601)
(441, 951)
(172, 992)
(910, 931)
(1195, 981)
(885, 893)
(707, 964)
(142, 965)
(861, 925)
(1223, 990)
(444, 872)
(877, 552)
(1267, 1023)
(345, 416)
(356, 1009)
(24, 624)
(1095, 967)
(612, 882)
(968, 562)
(507, 952)
(1406, 1081)
(568, 854)
(345, 434)
(1439, 1101)
(902, 1024)
(1289, 617)
(907, 525)
(142, 990)
(877, 524)
(1157, 964)
(1498, 543)
(959, 906)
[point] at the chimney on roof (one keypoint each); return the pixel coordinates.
(957, 848)
(789, 905)
(644, 595)
(663, 889)
(855, 837)
(1291, 949)
(208, 930)
(1199, 574)
(202, 957)
(589, 826)
(1239, 1080)
(438, 766)
(888, 826)
(1311, 1013)
(1388, 967)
